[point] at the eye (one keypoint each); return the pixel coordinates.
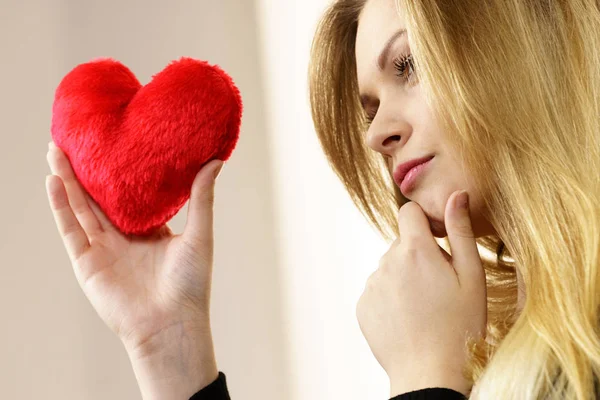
(369, 114)
(405, 66)
(370, 118)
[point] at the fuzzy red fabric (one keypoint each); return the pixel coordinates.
(137, 149)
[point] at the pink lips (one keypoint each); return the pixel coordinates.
(406, 174)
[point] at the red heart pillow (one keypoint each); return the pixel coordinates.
(137, 149)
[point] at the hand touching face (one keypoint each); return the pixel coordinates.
(420, 305)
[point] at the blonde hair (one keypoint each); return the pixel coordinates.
(516, 85)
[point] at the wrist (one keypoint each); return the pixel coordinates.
(175, 363)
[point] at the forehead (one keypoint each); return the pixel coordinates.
(378, 21)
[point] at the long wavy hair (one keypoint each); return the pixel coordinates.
(516, 85)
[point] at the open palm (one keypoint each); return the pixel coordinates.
(139, 286)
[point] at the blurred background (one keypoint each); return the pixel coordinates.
(292, 254)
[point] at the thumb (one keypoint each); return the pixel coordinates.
(199, 225)
(465, 257)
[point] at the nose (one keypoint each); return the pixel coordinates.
(383, 141)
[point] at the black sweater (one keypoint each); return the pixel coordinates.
(217, 390)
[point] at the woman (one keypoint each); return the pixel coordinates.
(505, 95)
(502, 99)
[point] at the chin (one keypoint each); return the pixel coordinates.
(437, 226)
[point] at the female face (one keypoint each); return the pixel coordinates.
(403, 127)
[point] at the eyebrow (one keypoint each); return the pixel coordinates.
(383, 57)
(386, 49)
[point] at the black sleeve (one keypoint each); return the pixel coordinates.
(217, 390)
(431, 394)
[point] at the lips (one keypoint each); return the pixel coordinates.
(402, 169)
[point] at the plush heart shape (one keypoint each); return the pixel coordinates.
(137, 149)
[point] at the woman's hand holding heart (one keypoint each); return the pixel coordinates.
(152, 292)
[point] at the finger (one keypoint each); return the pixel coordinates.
(413, 225)
(199, 225)
(447, 256)
(74, 237)
(60, 165)
(465, 257)
(106, 224)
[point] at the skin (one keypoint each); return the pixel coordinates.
(152, 292)
(420, 304)
(404, 126)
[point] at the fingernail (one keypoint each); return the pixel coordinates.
(51, 145)
(462, 202)
(218, 170)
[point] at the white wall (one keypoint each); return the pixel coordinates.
(328, 250)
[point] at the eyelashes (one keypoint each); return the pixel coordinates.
(402, 63)
(405, 67)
